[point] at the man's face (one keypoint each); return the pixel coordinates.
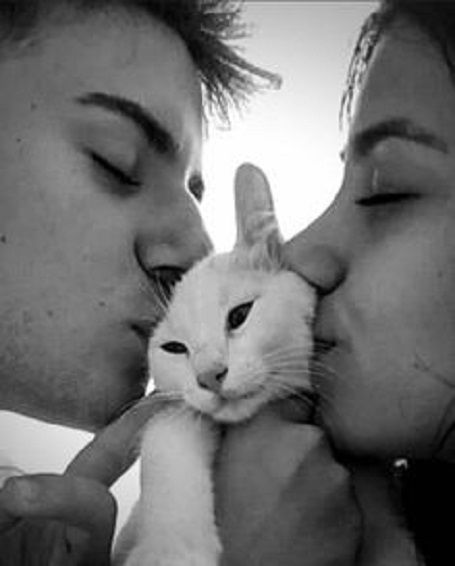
(383, 257)
(100, 144)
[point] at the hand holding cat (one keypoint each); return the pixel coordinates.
(69, 519)
(282, 498)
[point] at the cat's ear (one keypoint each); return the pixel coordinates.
(257, 227)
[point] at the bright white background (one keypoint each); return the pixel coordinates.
(292, 134)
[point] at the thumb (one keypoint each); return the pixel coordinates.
(6, 472)
(84, 505)
(115, 448)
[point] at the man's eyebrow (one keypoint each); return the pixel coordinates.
(366, 140)
(156, 134)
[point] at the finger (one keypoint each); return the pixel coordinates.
(6, 472)
(7, 519)
(78, 501)
(74, 501)
(115, 448)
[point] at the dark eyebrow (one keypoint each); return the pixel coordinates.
(363, 143)
(156, 134)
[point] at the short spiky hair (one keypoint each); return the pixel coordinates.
(435, 18)
(207, 27)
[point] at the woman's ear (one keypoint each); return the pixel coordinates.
(257, 227)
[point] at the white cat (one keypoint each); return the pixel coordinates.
(237, 333)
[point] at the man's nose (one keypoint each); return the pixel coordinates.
(170, 241)
(317, 256)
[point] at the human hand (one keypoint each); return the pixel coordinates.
(282, 498)
(69, 519)
(385, 539)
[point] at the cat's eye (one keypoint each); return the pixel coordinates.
(174, 347)
(238, 315)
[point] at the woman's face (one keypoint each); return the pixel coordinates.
(100, 149)
(383, 258)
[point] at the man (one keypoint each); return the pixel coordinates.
(101, 112)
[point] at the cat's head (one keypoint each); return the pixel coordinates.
(237, 332)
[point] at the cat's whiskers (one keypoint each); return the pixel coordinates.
(289, 350)
(161, 295)
(282, 390)
(291, 359)
(288, 389)
(294, 381)
(269, 384)
(286, 357)
(325, 397)
(323, 370)
(285, 372)
(289, 365)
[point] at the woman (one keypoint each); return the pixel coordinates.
(382, 260)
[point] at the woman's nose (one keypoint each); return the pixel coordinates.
(318, 260)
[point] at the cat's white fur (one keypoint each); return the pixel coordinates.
(266, 357)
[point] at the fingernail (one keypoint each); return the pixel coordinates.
(249, 174)
(7, 472)
(25, 489)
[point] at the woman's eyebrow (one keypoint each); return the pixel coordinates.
(363, 143)
(156, 134)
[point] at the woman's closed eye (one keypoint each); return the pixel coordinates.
(383, 190)
(386, 198)
(128, 182)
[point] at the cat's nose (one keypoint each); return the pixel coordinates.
(212, 378)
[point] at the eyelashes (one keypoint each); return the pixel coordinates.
(126, 180)
(386, 198)
(387, 188)
(129, 182)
